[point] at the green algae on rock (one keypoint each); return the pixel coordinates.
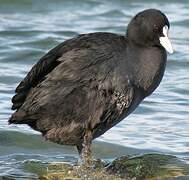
(148, 166)
(63, 171)
(145, 167)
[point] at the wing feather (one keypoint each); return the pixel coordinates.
(80, 65)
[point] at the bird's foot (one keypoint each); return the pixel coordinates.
(85, 150)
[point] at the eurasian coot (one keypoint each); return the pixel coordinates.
(86, 85)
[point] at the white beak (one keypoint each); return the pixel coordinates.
(165, 42)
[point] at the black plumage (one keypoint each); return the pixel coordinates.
(88, 84)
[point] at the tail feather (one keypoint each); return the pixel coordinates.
(18, 99)
(17, 118)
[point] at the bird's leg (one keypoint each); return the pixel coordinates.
(86, 150)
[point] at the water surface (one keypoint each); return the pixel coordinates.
(28, 29)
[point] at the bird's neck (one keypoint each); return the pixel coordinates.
(147, 67)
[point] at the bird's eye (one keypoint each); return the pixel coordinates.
(155, 28)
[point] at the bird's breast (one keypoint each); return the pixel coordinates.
(149, 69)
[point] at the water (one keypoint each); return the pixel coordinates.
(28, 29)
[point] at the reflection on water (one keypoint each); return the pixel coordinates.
(28, 29)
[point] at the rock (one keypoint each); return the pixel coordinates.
(149, 166)
(145, 167)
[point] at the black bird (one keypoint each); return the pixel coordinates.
(88, 84)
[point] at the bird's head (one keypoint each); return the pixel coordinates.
(150, 28)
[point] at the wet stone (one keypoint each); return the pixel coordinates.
(145, 167)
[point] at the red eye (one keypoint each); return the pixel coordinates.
(155, 28)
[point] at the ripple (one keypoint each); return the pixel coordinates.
(30, 28)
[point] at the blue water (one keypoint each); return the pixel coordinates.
(28, 29)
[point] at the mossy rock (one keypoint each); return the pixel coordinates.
(58, 171)
(145, 167)
(148, 167)
(63, 171)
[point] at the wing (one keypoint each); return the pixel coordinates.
(48, 62)
(37, 74)
(115, 104)
(76, 73)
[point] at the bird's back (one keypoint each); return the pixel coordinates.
(86, 43)
(74, 85)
